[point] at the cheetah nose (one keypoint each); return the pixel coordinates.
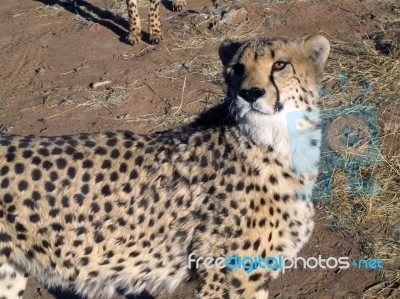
(251, 95)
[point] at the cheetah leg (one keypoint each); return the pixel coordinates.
(178, 5)
(235, 284)
(12, 282)
(134, 23)
(212, 285)
(154, 22)
(242, 280)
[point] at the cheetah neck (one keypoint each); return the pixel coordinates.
(268, 134)
(296, 145)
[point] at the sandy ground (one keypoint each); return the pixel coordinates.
(52, 50)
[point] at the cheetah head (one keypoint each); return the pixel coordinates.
(268, 78)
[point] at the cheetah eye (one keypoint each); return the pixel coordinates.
(279, 65)
(238, 69)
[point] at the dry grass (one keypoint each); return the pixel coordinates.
(207, 65)
(197, 34)
(110, 97)
(82, 22)
(373, 220)
(48, 10)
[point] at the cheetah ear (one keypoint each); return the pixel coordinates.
(227, 51)
(317, 49)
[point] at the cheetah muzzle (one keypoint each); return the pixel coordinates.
(97, 212)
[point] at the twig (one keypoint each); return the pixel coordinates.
(183, 91)
(75, 70)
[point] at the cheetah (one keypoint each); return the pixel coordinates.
(96, 212)
(135, 29)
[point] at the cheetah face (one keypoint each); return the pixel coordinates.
(268, 78)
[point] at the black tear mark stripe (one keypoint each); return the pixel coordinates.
(278, 105)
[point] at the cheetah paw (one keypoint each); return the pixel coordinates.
(177, 6)
(133, 39)
(155, 39)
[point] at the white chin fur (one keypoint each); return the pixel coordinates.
(272, 129)
(265, 129)
(243, 107)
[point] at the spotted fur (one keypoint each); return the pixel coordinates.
(135, 28)
(101, 211)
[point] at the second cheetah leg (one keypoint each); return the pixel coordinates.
(134, 23)
(154, 22)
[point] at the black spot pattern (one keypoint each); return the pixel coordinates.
(108, 210)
